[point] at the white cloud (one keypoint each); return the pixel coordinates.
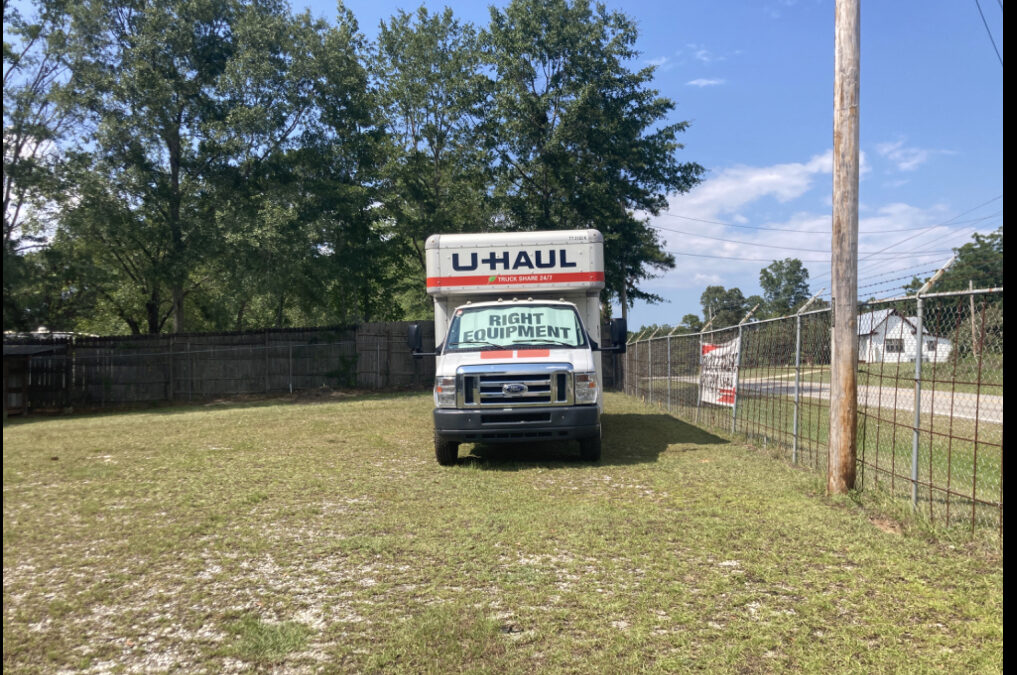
(701, 279)
(661, 63)
(767, 197)
(705, 82)
(730, 189)
(700, 53)
(906, 158)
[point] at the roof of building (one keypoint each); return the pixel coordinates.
(867, 322)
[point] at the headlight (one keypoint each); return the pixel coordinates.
(445, 392)
(586, 388)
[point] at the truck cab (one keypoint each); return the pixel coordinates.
(517, 332)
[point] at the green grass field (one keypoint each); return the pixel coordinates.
(322, 536)
(952, 466)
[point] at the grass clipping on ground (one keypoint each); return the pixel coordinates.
(323, 536)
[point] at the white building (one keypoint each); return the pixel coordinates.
(886, 336)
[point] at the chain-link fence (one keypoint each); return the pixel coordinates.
(930, 395)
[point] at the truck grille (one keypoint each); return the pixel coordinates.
(514, 385)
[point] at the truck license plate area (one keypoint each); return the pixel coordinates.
(516, 418)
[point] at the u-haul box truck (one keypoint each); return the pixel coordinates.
(517, 332)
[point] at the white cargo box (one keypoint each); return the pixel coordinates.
(515, 262)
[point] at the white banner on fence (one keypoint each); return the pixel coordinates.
(718, 367)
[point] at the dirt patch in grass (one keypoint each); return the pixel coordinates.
(888, 526)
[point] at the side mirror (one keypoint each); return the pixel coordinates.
(619, 335)
(414, 338)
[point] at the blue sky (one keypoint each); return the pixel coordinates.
(755, 79)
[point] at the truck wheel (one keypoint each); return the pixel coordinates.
(445, 451)
(589, 449)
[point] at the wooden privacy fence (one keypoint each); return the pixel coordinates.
(59, 373)
(101, 371)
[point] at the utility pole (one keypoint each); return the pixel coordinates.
(844, 344)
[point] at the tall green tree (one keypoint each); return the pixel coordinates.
(33, 126)
(785, 285)
(432, 93)
(580, 139)
(188, 100)
(724, 306)
(305, 219)
(979, 263)
(690, 324)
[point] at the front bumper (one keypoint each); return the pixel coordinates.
(510, 425)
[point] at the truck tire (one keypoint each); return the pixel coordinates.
(446, 452)
(589, 449)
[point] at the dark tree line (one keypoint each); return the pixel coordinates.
(177, 165)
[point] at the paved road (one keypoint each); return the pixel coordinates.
(984, 407)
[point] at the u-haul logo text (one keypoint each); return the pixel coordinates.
(543, 259)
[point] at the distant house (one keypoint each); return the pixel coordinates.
(886, 336)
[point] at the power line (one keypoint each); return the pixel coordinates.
(909, 274)
(966, 232)
(989, 32)
(905, 239)
(731, 257)
(750, 243)
(826, 230)
(769, 260)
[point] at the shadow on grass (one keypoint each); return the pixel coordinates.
(627, 439)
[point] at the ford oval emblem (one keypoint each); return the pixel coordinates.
(514, 389)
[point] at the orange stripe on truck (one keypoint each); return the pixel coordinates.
(515, 354)
(506, 279)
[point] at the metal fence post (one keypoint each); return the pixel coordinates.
(170, 392)
(289, 360)
(699, 377)
(918, 406)
(669, 373)
(798, 375)
(649, 371)
(738, 367)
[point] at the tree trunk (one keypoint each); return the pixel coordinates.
(152, 312)
(173, 146)
(279, 310)
(624, 296)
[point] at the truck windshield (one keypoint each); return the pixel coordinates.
(513, 326)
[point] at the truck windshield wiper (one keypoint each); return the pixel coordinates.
(557, 343)
(477, 343)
